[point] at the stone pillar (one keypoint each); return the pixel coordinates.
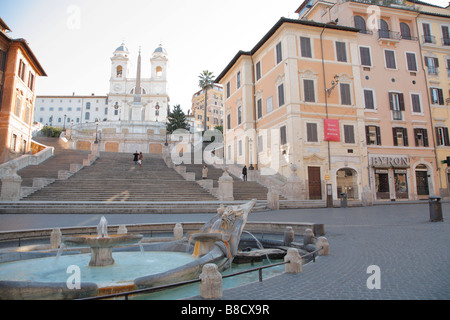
(273, 199)
(323, 242)
(226, 186)
(294, 188)
(289, 236)
(11, 183)
(295, 264)
(178, 231)
(122, 229)
(211, 282)
(367, 197)
(55, 238)
(308, 237)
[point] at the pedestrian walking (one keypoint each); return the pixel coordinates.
(136, 157)
(205, 172)
(140, 158)
(244, 173)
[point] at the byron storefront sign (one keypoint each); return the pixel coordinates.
(382, 161)
(331, 127)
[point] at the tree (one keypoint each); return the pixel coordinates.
(177, 120)
(206, 81)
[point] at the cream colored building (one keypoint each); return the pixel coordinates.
(214, 113)
(295, 99)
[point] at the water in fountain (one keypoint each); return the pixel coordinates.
(258, 243)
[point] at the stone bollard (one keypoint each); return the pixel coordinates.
(122, 229)
(308, 237)
(323, 242)
(178, 231)
(289, 236)
(295, 264)
(273, 200)
(55, 238)
(226, 186)
(211, 282)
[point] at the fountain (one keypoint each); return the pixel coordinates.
(39, 275)
(102, 244)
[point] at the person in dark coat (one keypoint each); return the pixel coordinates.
(244, 173)
(136, 157)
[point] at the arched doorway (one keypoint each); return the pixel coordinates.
(347, 182)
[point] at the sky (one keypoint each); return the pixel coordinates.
(75, 39)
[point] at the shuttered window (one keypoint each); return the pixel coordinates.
(437, 96)
(400, 136)
(415, 98)
(365, 56)
(421, 137)
(280, 95)
(308, 88)
(349, 134)
(305, 46)
(346, 98)
(341, 51)
(373, 135)
(311, 132)
(442, 136)
(389, 56)
(368, 99)
(411, 61)
(260, 110)
(283, 135)
(279, 53)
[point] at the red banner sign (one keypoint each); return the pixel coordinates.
(332, 130)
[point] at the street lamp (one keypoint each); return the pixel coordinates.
(96, 131)
(166, 144)
(250, 142)
(64, 124)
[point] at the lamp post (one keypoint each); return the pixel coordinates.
(96, 131)
(166, 144)
(71, 129)
(250, 142)
(64, 124)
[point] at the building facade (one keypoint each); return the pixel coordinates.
(19, 70)
(433, 25)
(214, 113)
(295, 99)
(399, 129)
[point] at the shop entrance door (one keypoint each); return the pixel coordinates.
(382, 184)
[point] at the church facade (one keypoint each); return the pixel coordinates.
(132, 116)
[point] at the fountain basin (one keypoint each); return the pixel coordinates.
(101, 247)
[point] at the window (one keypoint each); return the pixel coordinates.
(281, 95)
(405, 31)
(389, 56)
(228, 121)
(259, 106)
(445, 36)
(240, 147)
(305, 46)
(279, 53)
(21, 72)
(87, 116)
(349, 134)
(432, 64)
(421, 137)
(239, 115)
(88, 106)
(311, 132)
(341, 51)
(437, 96)
(283, 135)
(383, 32)
(415, 100)
(31, 81)
(365, 56)
(346, 98)
(442, 137)
(373, 135)
(397, 105)
(258, 71)
(269, 105)
(427, 37)
(360, 24)
(238, 81)
(119, 72)
(369, 99)
(308, 88)
(411, 61)
(260, 143)
(400, 136)
(228, 89)
(18, 106)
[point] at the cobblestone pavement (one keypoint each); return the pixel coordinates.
(412, 253)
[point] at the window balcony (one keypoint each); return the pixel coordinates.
(433, 71)
(387, 34)
(446, 41)
(429, 39)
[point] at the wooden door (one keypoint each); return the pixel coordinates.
(315, 184)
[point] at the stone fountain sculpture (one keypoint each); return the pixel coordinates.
(102, 244)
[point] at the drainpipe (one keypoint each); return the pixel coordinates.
(429, 106)
(255, 125)
(326, 94)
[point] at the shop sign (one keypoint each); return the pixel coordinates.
(389, 161)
